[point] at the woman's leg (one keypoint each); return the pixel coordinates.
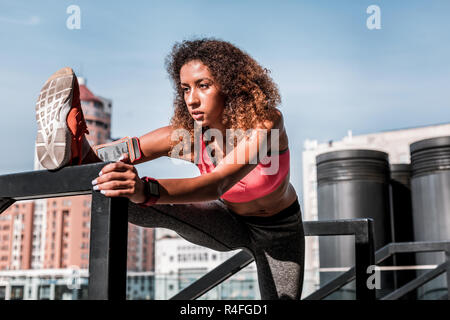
(208, 224)
(281, 269)
(278, 246)
(89, 155)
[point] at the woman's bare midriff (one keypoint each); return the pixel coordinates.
(267, 205)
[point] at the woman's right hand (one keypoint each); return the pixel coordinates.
(121, 179)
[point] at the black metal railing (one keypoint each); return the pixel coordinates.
(384, 253)
(362, 229)
(416, 247)
(109, 221)
(242, 259)
(109, 228)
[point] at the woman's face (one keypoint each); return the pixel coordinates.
(202, 94)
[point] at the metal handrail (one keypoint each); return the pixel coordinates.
(415, 247)
(108, 249)
(384, 253)
(109, 224)
(364, 257)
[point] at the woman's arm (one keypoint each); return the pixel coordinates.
(121, 178)
(155, 144)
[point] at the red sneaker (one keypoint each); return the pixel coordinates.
(61, 126)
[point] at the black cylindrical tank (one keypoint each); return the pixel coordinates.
(352, 184)
(430, 189)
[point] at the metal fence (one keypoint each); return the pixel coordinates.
(109, 228)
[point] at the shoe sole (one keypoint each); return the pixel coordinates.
(53, 140)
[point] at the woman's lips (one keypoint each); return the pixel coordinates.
(197, 116)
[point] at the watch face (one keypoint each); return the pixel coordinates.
(154, 188)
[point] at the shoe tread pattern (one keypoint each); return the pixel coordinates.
(53, 137)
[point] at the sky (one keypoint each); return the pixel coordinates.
(333, 72)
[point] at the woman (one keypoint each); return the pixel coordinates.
(232, 204)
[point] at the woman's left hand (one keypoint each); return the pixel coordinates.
(120, 179)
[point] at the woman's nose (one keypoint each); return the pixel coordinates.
(192, 98)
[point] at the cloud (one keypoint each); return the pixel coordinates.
(31, 21)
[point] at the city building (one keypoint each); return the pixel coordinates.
(44, 284)
(179, 263)
(16, 236)
(65, 284)
(67, 232)
(394, 142)
(97, 112)
(140, 257)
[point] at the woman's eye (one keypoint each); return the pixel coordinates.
(185, 89)
(204, 85)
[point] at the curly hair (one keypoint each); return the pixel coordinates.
(251, 96)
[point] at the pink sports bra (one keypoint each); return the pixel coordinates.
(256, 184)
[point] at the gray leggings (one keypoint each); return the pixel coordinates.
(277, 243)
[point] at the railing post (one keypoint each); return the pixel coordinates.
(364, 257)
(447, 259)
(108, 248)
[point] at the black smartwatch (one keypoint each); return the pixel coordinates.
(151, 191)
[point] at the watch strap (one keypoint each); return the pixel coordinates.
(151, 191)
